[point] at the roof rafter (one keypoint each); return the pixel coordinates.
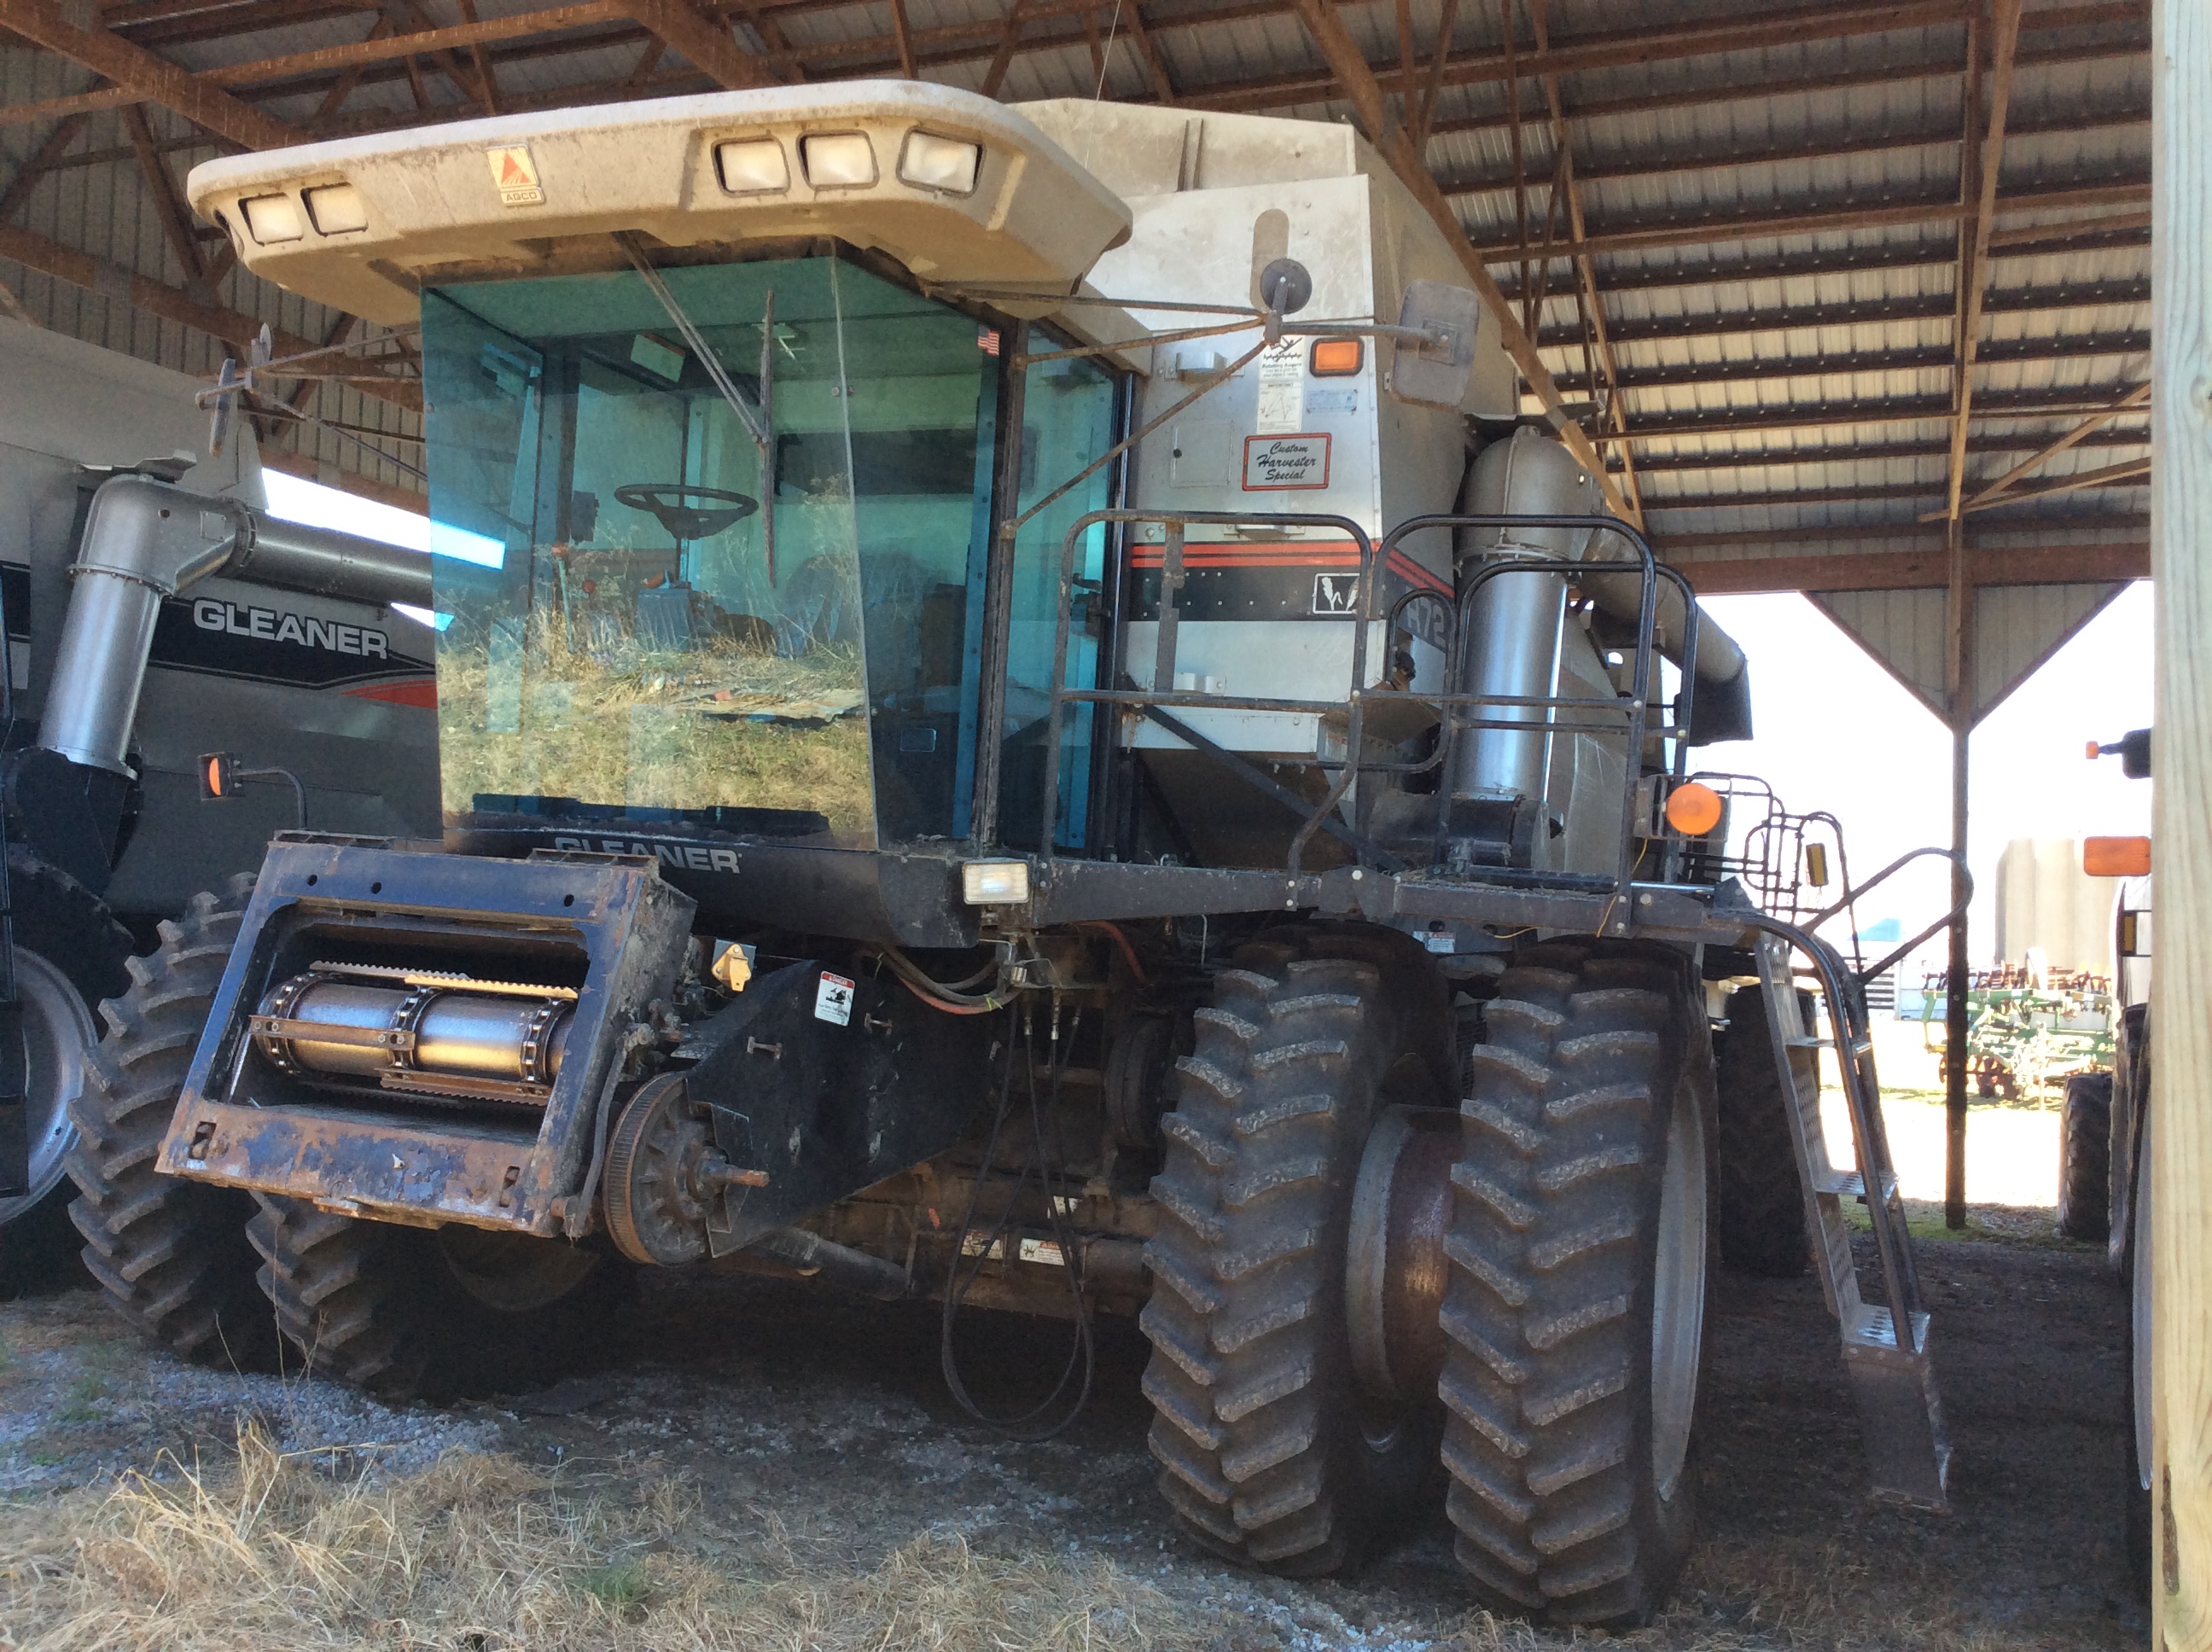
(1874, 312)
(1327, 34)
(1812, 219)
(1974, 237)
(50, 257)
(2059, 347)
(139, 72)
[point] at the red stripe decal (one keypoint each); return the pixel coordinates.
(421, 691)
(1291, 556)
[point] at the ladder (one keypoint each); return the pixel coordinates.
(1885, 1348)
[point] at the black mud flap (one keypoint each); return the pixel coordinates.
(829, 1083)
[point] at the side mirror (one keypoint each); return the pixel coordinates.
(1433, 354)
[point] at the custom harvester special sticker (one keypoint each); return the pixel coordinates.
(1286, 462)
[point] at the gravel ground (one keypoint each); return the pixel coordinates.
(830, 1419)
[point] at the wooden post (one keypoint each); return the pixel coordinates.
(1954, 1006)
(1959, 700)
(2181, 1093)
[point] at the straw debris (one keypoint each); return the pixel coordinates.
(274, 1550)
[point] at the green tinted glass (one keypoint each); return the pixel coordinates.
(655, 610)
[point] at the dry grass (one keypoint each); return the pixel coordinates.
(266, 1550)
(671, 731)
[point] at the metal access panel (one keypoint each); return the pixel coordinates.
(605, 927)
(827, 1084)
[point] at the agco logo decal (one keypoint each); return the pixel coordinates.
(270, 625)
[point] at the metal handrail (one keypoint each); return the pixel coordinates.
(1633, 729)
(1966, 877)
(1853, 1040)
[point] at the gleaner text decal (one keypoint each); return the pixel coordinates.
(274, 625)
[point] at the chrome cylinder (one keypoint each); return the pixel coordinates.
(1512, 640)
(325, 563)
(429, 1030)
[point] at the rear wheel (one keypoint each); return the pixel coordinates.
(2138, 1425)
(1271, 1454)
(69, 955)
(2085, 1153)
(1574, 1317)
(403, 1311)
(1760, 1199)
(171, 1254)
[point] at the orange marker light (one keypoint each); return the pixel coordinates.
(1694, 809)
(216, 780)
(2116, 857)
(1337, 358)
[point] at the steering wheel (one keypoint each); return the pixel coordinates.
(667, 504)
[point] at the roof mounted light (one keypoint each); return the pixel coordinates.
(752, 166)
(944, 164)
(838, 159)
(337, 208)
(272, 218)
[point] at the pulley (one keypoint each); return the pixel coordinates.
(664, 1177)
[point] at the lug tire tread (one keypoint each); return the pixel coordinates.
(1250, 1390)
(171, 1254)
(1760, 1218)
(1554, 1207)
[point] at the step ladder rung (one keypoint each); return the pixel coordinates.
(1850, 1184)
(1872, 1327)
(1808, 1041)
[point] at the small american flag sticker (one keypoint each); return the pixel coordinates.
(987, 340)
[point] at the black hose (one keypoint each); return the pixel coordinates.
(1027, 1425)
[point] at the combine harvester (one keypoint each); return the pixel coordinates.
(264, 640)
(1024, 721)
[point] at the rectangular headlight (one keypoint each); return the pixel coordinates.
(994, 883)
(838, 159)
(272, 218)
(752, 166)
(338, 208)
(928, 162)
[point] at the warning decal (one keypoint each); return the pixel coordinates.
(833, 1000)
(514, 175)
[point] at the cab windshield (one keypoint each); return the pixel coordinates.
(683, 589)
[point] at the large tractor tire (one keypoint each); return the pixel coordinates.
(1574, 1317)
(403, 1312)
(2130, 1104)
(1270, 1455)
(2136, 1489)
(171, 1254)
(1760, 1217)
(2085, 1158)
(69, 955)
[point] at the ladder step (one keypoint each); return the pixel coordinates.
(1858, 1046)
(1873, 1329)
(1850, 1184)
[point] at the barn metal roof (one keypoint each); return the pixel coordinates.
(1735, 228)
